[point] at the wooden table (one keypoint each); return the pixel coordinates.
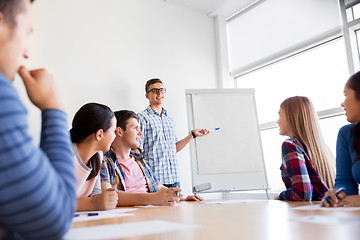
(266, 219)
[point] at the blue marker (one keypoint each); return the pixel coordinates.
(93, 214)
(326, 198)
(88, 214)
(214, 129)
(336, 193)
(339, 190)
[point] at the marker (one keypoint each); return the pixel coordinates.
(93, 214)
(326, 198)
(88, 214)
(214, 129)
(336, 193)
(339, 190)
(177, 186)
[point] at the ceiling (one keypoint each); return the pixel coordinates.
(213, 7)
(202, 6)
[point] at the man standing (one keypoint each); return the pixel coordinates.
(127, 171)
(37, 186)
(159, 143)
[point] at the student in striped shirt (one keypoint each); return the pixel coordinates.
(308, 167)
(37, 184)
(92, 132)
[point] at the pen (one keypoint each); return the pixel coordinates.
(214, 129)
(339, 190)
(336, 193)
(88, 214)
(177, 186)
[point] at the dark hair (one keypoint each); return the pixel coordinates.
(10, 8)
(88, 120)
(354, 83)
(122, 118)
(151, 81)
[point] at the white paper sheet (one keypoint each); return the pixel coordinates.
(327, 220)
(318, 207)
(151, 206)
(231, 201)
(119, 212)
(126, 230)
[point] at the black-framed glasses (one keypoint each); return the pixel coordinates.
(157, 90)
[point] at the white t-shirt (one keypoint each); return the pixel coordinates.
(85, 188)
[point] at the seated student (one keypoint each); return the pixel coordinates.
(37, 183)
(93, 130)
(127, 171)
(348, 150)
(307, 167)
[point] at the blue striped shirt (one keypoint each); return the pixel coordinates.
(37, 184)
(158, 144)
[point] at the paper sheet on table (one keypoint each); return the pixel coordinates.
(151, 206)
(126, 230)
(119, 212)
(327, 220)
(318, 207)
(230, 201)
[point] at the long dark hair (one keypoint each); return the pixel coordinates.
(354, 84)
(88, 120)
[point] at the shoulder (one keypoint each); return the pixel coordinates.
(10, 102)
(142, 116)
(136, 156)
(292, 142)
(109, 156)
(292, 145)
(168, 116)
(7, 88)
(346, 130)
(345, 135)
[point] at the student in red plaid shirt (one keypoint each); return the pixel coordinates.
(308, 167)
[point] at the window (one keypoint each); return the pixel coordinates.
(310, 73)
(353, 12)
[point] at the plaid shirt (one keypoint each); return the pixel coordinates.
(112, 172)
(158, 144)
(299, 175)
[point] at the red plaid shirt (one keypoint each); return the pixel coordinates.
(301, 180)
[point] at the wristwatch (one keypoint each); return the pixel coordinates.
(192, 133)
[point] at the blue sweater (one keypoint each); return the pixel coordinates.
(37, 184)
(347, 176)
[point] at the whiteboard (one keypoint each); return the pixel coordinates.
(230, 159)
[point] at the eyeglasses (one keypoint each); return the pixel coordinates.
(157, 90)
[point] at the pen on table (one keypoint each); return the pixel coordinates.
(214, 129)
(88, 214)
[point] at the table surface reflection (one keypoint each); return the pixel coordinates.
(258, 219)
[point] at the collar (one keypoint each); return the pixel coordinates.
(111, 154)
(150, 110)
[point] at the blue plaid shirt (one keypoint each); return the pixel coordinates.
(158, 144)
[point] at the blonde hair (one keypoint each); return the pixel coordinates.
(304, 125)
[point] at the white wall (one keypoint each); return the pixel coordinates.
(105, 50)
